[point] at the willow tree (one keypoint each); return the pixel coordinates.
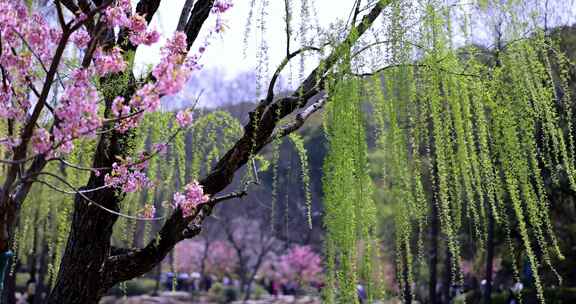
(482, 135)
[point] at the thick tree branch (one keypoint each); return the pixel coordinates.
(198, 16)
(299, 120)
(184, 15)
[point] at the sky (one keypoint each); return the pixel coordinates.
(226, 51)
(229, 57)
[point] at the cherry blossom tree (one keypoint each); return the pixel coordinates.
(253, 246)
(301, 265)
(215, 257)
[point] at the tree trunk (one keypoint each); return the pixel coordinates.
(447, 276)
(407, 284)
(81, 278)
(10, 285)
(434, 233)
(489, 259)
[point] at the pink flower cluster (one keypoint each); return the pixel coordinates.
(174, 69)
(9, 103)
(171, 75)
(81, 38)
(109, 63)
(117, 16)
(145, 100)
(19, 65)
(128, 175)
(193, 197)
(77, 112)
(221, 6)
(139, 33)
(301, 264)
(41, 142)
(184, 118)
(220, 261)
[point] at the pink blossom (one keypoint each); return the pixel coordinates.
(41, 142)
(55, 34)
(184, 118)
(301, 264)
(119, 108)
(160, 148)
(137, 23)
(146, 38)
(116, 16)
(128, 176)
(170, 76)
(77, 111)
(192, 198)
(221, 260)
(179, 199)
(221, 6)
(125, 5)
(146, 99)
(81, 38)
(80, 16)
(112, 62)
(151, 37)
(176, 45)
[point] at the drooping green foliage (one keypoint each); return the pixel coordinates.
(473, 139)
(299, 147)
(350, 212)
(482, 136)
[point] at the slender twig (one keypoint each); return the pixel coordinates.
(89, 200)
(270, 95)
(229, 196)
(61, 16)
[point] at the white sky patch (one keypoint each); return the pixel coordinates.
(230, 56)
(226, 50)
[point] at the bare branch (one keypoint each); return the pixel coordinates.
(82, 193)
(229, 196)
(63, 24)
(198, 16)
(270, 95)
(70, 5)
(184, 15)
(299, 121)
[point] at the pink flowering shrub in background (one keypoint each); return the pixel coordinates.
(214, 258)
(301, 265)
